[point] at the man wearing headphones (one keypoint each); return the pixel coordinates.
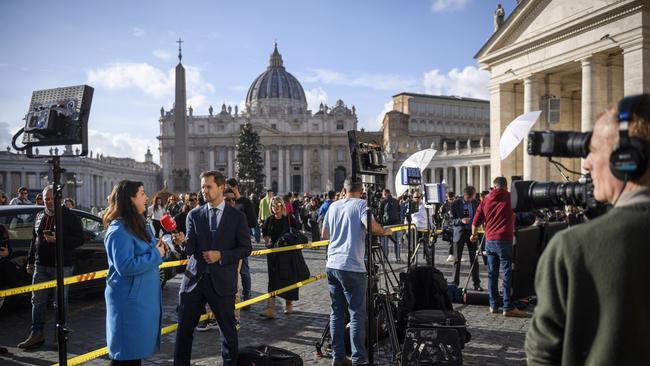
(592, 280)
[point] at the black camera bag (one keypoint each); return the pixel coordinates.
(264, 355)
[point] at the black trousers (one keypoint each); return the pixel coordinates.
(458, 253)
(126, 363)
(189, 311)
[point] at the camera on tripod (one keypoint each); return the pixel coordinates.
(366, 153)
(57, 117)
(531, 195)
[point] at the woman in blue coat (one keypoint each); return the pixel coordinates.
(133, 304)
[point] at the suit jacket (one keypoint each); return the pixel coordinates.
(457, 214)
(232, 239)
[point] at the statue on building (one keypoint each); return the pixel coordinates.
(469, 144)
(162, 112)
(210, 110)
(229, 110)
(236, 110)
(354, 110)
(481, 142)
(444, 146)
(191, 111)
(457, 145)
(499, 14)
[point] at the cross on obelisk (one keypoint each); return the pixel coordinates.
(180, 56)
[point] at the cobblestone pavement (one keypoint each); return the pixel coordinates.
(496, 340)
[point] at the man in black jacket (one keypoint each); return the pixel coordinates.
(244, 205)
(41, 260)
(389, 210)
(462, 213)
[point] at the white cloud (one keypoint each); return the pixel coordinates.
(372, 81)
(138, 32)
(468, 82)
(379, 119)
(315, 97)
(150, 80)
(122, 145)
(447, 5)
(5, 135)
(162, 54)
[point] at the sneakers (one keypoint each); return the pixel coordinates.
(207, 325)
(478, 288)
(515, 313)
(451, 258)
(237, 325)
(34, 339)
(494, 311)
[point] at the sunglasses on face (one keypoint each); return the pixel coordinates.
(193, 199)
(229, 200)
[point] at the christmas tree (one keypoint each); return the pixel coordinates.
(249, 161)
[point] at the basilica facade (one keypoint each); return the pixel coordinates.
(302, 151)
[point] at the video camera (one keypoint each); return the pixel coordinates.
(532, 195)
(366, 153)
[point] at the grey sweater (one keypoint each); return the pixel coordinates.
(593, 285)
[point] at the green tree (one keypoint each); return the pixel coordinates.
(250, 169)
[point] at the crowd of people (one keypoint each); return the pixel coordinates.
(592, 308)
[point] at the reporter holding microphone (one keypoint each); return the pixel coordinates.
(133, 299)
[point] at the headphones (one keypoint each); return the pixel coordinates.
(628, 161)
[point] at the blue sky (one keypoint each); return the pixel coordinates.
(360, 51)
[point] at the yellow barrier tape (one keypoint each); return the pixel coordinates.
(289, 248)
(103, 273)
(171, 328)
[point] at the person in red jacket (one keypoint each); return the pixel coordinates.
(496, 212)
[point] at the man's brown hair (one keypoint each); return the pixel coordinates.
(218, 177)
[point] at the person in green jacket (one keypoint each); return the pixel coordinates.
(265, 206)
(592, 280)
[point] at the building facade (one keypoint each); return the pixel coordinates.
(457, 127)
(302, 151)
(571, 59)
(88, 181)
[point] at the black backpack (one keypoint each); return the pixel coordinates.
(391, 214)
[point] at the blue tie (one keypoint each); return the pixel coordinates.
(215, 222)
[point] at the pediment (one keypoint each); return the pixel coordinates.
(535, 19)
(264, 130)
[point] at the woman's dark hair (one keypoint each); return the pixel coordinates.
(121, 207)
(155, 203)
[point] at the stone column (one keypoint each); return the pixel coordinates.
(636, 67)
(457, 179)
(230, 163)
(481, 177)
(470, 175)
(594, 95)
(502, 112)
(288, 172)
(212, 152)
(325, 163)
(267, 167)
(235, 166)
(306, 173)
(445, 175)
(280, 170)
(531, 103)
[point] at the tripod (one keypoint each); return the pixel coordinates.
(381, 303)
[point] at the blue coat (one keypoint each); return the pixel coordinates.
(133, 298)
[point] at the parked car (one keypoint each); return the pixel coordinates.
(89, 257)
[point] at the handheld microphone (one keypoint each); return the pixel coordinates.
(168, 223)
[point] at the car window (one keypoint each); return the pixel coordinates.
(93, 229)
(19, 226)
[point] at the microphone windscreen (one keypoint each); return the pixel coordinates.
(168, 223)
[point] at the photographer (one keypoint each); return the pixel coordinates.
(592, 280)
(445, 215)
(346, 271)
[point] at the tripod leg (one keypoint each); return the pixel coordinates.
(392, 332)
(323, 338)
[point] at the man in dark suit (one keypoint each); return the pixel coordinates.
(217, 238)
(462, 213)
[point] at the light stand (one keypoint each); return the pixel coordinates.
(369, 269)
(61, 329)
